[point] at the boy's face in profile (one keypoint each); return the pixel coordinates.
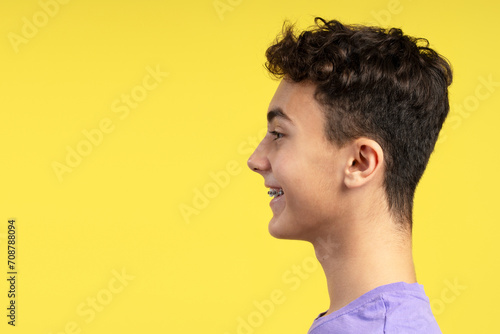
(295, 156)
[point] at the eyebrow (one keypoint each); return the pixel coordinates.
(277, 112)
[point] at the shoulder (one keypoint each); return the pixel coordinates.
(394, 308)
(409, 311)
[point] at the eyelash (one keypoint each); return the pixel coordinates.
(277, 134)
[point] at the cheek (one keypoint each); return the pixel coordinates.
(306, 194)
(317, 190)
(284, 168)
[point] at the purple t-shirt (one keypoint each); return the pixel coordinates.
(398, 308)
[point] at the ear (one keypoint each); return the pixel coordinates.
(364, 162)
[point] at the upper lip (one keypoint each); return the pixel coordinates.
(272, 186)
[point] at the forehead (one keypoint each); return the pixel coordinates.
(296, 100)
(289, 93)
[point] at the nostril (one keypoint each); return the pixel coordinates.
(252, 164)
(258, 164)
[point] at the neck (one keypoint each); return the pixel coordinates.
(362, 257)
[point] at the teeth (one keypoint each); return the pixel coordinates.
(275, 193)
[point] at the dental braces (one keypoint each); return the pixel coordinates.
(274, 193)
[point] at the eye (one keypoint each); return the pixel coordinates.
(277, 135)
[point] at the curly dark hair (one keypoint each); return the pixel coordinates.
(376, 83)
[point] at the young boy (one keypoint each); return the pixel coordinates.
(351, 128)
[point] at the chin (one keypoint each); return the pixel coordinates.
(281, 229)
(276, 231)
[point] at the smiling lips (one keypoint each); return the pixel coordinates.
(275, 192)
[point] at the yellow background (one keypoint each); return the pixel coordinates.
(119, 209)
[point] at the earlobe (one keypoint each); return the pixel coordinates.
(364, 162)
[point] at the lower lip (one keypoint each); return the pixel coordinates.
(276, 199)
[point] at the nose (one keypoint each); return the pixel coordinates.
(258, 161)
